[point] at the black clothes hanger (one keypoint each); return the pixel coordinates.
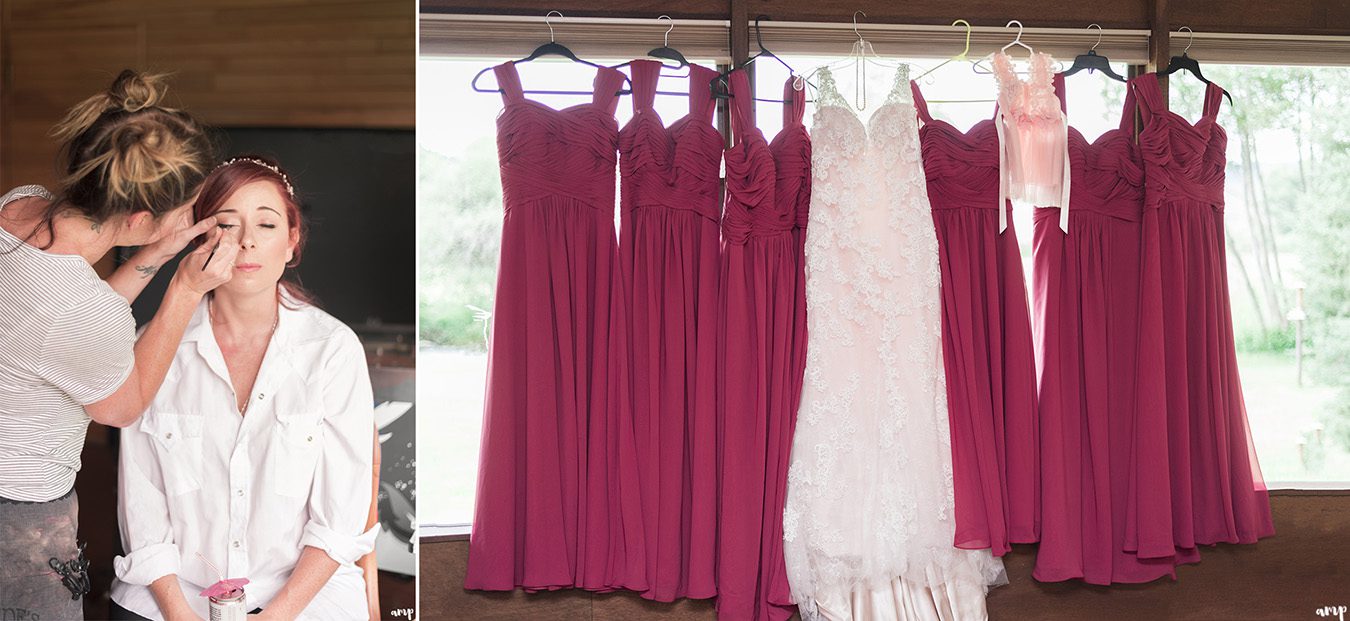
(1187, 63)
(669, 53)
(665, 52)
(1092, 61)
(724, 92)
(552, 48)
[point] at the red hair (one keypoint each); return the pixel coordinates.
(238, 172)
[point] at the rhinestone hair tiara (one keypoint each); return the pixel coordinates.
(253, 160)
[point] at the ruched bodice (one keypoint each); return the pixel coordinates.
(1108, 176)
(550, 153)
(1184, 161)
(672, 167)
(961, 167)
(752, 207)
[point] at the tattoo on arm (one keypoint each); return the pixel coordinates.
(147, 270)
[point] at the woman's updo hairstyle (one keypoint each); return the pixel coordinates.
(123, 152)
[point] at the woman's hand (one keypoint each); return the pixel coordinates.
(211, 265)
(181, 232)
(131, 277)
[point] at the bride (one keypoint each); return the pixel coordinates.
(254, 461)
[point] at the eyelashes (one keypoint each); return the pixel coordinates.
(226, 227)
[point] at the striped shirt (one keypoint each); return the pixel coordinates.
(66, 340)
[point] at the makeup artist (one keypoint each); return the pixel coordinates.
(130, 168)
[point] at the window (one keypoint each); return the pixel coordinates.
(1287, 226)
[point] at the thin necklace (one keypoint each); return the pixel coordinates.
(210, 311)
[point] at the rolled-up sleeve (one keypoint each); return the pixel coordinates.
(339, 501)
(143, 513)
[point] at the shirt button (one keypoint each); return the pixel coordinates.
(309, 439)
(239, 492)
(261, 396)
(236, 543)
(168, 436)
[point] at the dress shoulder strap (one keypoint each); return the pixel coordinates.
(1213, 100)
(794, 100)
(1148, 95)
(508, 80)
(1127, 111)
(646, 74)
(608, 81)
(742, 103)
(701, 102)
(920, 104)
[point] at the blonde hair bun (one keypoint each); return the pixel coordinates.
(130, 92)
(122, 151)
(136, 91)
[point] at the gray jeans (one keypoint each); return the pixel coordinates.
(43, 573)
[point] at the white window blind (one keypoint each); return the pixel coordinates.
(1260, 49)
(817, 39)
(512, 36)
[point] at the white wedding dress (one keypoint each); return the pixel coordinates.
(869, 524)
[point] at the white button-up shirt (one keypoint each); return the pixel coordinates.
(250, 492)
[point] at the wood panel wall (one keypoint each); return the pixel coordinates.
(1288, 576)
(239, 63)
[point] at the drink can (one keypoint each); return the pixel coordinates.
(229, 607)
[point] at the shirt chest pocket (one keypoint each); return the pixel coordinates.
(178, 444)
(297, 444)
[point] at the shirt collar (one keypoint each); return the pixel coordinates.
(289, 322)
(291, 328)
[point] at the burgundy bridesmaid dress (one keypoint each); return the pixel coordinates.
(668, 250)
(1099, 448)
(1218, 494)
(552, 442)
(986, 339)
(792, 192)
(760, 267)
